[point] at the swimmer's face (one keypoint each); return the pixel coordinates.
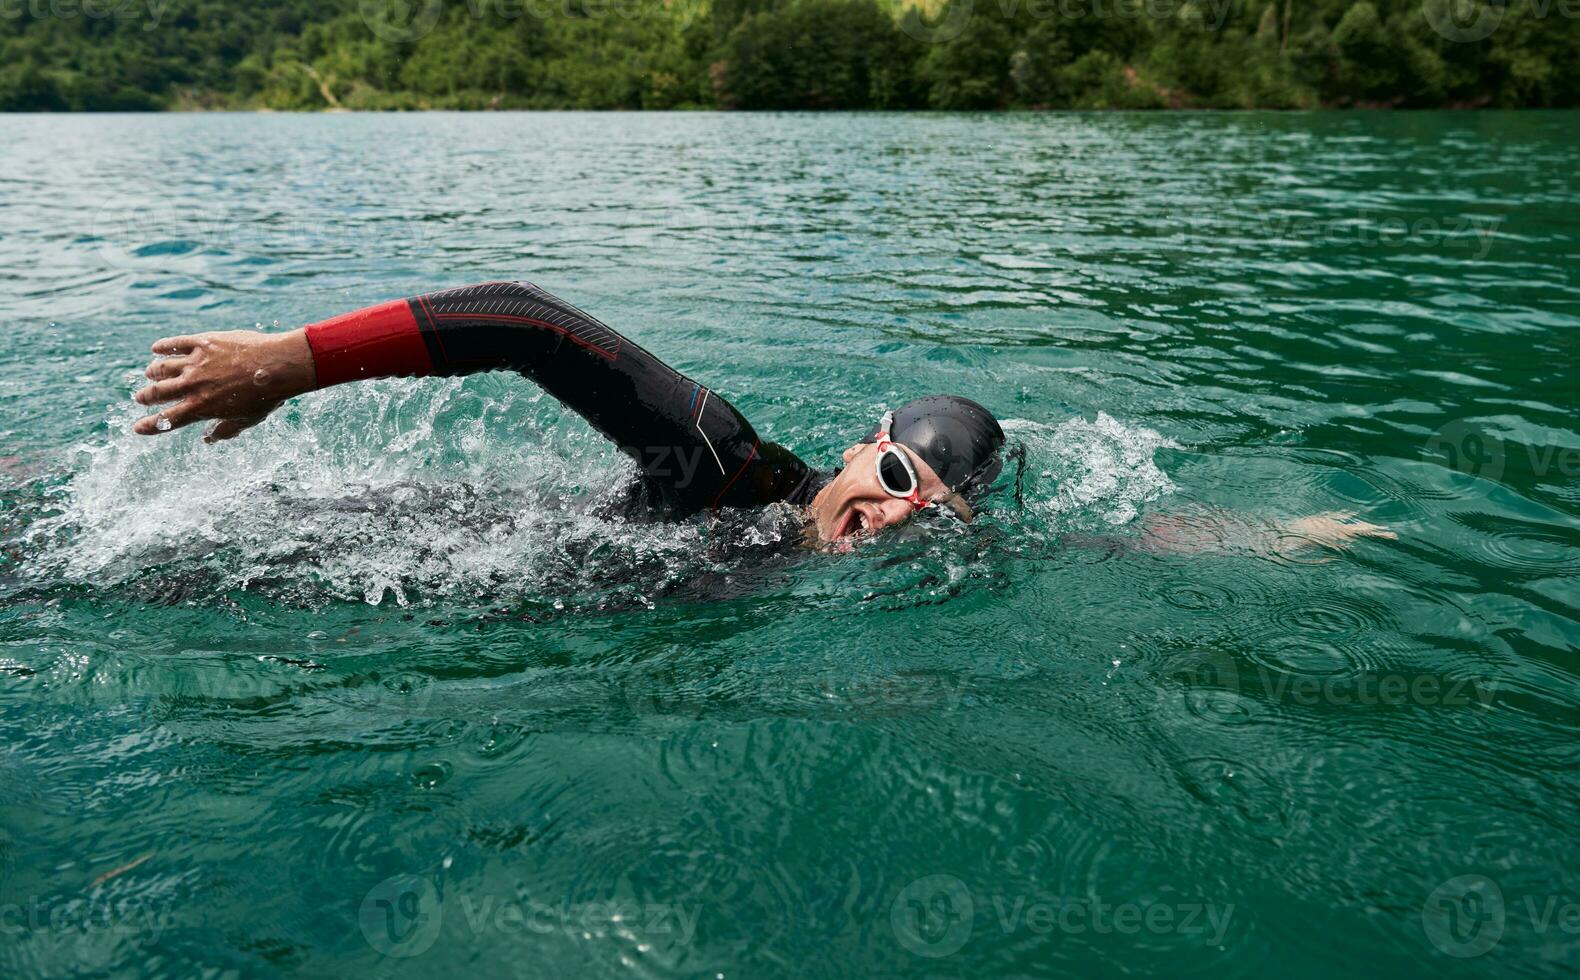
(854, 504)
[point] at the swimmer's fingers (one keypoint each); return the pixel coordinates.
(1335, 529)
(170, 390)
(173, 417)
(1352, 526)
(166, 367)
(1366, 529)
(176, 345)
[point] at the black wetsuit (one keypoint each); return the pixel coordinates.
(693, 449)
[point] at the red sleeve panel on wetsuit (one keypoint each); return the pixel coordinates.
(379, 342)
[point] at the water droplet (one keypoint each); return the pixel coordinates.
(162, 424)
(431, 775)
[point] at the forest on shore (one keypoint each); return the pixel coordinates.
(74, 55)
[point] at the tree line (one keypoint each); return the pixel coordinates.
(66, 55)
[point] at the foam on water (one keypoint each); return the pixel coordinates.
(1102, 470)
(480, 490)
(436, 487)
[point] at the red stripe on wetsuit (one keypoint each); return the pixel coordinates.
(378, 342)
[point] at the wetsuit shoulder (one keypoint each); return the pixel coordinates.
(694, 447)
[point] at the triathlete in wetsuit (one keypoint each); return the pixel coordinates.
(693, 449)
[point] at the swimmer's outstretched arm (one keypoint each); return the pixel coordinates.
(687, 440)
(1222, 532)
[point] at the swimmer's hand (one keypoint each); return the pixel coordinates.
(1223, 532)
(236, 378)
(1334, 529)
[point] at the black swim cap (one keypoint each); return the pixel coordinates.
(958, 438)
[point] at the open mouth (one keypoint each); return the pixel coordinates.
(854, 523)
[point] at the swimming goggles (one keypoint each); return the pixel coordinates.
(897, 474)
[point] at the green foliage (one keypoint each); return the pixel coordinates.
(817, 54)
(788, 54)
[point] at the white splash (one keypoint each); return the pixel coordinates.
(1101, 468)
(475, 490)
(377, 491)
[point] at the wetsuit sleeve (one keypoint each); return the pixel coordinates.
(691, 445)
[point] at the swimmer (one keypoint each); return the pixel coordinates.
(694, 451)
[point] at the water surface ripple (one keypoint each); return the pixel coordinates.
(378, 686)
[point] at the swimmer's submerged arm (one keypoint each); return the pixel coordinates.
(689, 442)
(1212, 531)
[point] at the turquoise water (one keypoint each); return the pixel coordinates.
(369, 690)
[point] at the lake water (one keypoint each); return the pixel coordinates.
(365, 689)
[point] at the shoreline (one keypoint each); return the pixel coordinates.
(1021, 111)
